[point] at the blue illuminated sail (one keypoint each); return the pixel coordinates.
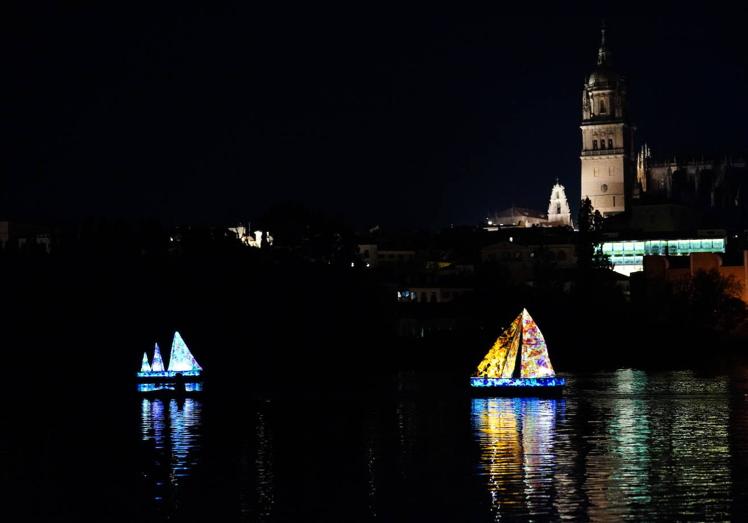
(181, 359)
(158, 363)
(145, 367)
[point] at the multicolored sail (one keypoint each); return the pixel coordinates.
(181, 359)
(158, 363)
(511, 358)
(145, 366)
(501, 361)
(535, 360)
(494, 364)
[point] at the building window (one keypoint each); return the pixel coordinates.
(610, 143)
(602, 143)
(594, 144)
(602, 106)
(604, 188)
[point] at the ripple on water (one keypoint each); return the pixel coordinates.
(625, 445)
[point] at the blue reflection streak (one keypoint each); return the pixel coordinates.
(174, 428)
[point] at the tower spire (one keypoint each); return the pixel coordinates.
(602, 54)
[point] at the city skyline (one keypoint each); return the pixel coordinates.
(213, 116)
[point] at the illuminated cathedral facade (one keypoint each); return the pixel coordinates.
(618, 178)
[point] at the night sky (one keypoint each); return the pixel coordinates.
(383, 117)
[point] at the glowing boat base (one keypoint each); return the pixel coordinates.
(163, 390)
(168, 376)
(547, 387)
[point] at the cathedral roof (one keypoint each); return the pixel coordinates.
(520, 212)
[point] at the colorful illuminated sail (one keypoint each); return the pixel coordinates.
(158, 363)
(511, 358)
(145, 367)
(495, 362)
(535, 360)
(181, 359)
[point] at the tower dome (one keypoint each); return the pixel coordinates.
(603, 77)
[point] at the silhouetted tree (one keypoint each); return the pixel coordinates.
(710, 301)
(590, 257)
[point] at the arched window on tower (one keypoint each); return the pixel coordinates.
(602, 143)
(610, 143)
(594, 144)
(602, 106)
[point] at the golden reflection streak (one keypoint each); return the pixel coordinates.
(516, 443)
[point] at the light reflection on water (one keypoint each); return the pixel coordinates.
(171, 429)
(640, 447)
(627, 445)
(190, 386)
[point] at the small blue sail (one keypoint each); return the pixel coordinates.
(158, 363)
(145, 367)
(181, 359)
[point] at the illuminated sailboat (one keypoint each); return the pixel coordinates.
(181, 361)
(497, 373)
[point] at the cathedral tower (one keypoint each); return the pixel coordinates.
(608, 163)
(559, 213)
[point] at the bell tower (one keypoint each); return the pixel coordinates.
(608, 163)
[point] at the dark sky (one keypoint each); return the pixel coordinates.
(411, 118)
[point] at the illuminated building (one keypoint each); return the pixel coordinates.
(607, 156)
(251, 239)
(671, 194)
(516, 217)
(627, 256)
(559, 213)
(662, 268)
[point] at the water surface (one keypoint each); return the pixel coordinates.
(624, 445)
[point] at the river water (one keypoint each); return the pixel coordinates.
(623, 445)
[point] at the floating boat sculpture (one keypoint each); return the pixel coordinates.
(181, 361)
(497, 373)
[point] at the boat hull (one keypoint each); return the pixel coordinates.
(522, 387)
(167, 377)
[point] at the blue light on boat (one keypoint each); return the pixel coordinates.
(168, 374)
(517, 382)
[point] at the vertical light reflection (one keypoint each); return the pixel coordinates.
(171, 428)
(264, 468)
(516, 438)
(657, 448)
(371, 435)
(630, 435)
(407, 435)
(700, 457)
(538, 432)
(185, 418)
